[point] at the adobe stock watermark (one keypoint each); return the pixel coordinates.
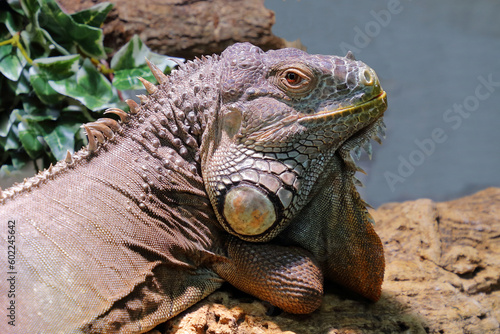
(454, 118)
(372, 28)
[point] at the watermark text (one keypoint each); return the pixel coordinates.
(11, 273)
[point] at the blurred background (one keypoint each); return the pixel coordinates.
(439, 62)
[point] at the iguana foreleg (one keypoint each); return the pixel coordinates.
(287, 277)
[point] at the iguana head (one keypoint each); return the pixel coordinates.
(282, 115)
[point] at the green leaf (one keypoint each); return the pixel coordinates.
(64, 30)
(93, 16)
(42, 88)
(89, 87)
(6, 122)
(22, 86)
(44, 115)
(38, 45)
(128, 78)
(4, 125)
(131, 55)
(12, 23)
(7, 170)
(29, 140)
(130, 62)
(12, 62)
(64, 50)
(18, 161)
(57, 68)
(62, 139)
(30, 8)
(37, 112)
(16, 6)
(134, 54)
(11, 140)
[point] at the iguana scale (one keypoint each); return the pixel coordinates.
(234, 168)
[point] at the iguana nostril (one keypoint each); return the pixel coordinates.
(367, 77)
(248, 211)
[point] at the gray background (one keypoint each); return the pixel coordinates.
(429, 56)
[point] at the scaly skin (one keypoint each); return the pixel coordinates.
(234, 168)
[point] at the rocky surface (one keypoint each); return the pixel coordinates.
(442, 276)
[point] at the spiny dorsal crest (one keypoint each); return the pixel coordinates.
(97, 132)
(30, 183)
(103, 129)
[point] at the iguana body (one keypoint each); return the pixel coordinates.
(234, 168)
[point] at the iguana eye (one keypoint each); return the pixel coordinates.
(293, 78)
(296, 81)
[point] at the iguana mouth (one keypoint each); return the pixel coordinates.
(373, 108)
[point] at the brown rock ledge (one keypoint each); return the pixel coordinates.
(442, 276)
(187, 28)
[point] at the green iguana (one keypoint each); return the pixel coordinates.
(234, 168)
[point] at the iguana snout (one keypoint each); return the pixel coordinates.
(283, 114)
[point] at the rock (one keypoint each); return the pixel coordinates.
(186, 28)
(444, 261)
(442, 276)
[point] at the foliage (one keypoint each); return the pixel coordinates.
(54, 76)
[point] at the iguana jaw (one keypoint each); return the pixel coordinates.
(374, 107)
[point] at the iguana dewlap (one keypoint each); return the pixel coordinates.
(235, 167)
